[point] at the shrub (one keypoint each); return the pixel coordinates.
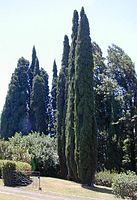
(104, 178)
(21, 166)
(8, 173)
(125, 185)
(12, 175)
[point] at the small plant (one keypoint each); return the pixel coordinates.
(105, 178)
(125, 185)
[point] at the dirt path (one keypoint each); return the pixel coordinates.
(39, 195)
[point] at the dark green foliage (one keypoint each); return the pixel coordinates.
(38, 105)
(8, 174)
(100, 75)
(115, 97)
(53, 105)
(85, 126)
(61, 108)
(65, 54)
(36, 68)
(32, 66)
(54, 87)
(70, 135)
(45, 77)
(15, 115)
(122, 71)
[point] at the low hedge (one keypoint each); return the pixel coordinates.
(12, 177)
(8, 173)
(21, 166)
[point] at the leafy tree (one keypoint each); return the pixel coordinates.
(15, 115)
(122, 70)
(70, 135)
(100, 77)
(85, 125)
(61, 108)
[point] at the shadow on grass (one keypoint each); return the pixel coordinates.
(98, 189)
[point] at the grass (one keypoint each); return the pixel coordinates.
(70, 188)
(10, 196)
(66, 188)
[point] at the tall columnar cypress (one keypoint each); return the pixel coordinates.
(14, 116)
(36, 68)
(45, 77)
(70, 136)
(38, 105)
(61, 108)
(53, 100)
(32, 66)
(85, 126)
(54, 86)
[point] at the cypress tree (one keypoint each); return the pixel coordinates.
(61, 108)
(85, 126)
(14, 116)
(54, 87)
(53, 100)
(70, 137)
(38, 105)
(32, 66)
(36, 68)
(45, 77)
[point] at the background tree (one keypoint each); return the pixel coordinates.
(85, 125)
(15, 116)
(122, 70)
(61, 108)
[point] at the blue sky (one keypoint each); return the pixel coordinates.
(44, 23)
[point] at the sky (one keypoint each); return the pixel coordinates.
(44, 23)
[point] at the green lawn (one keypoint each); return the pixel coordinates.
(63, 187)
(12, 197)
(70, 188)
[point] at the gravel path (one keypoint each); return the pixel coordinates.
(39, 195)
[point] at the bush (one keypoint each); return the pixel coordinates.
(12, 175)
(125, 185)
(21, 166)
(8, 173)
(105, 178)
